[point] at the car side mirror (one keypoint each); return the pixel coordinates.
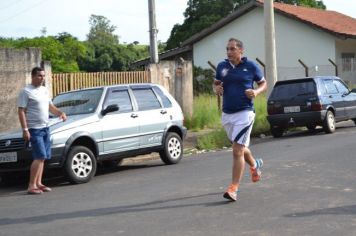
(353, 90)
(110, 108)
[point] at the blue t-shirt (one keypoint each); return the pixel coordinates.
(236, 79)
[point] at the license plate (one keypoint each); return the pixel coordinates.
(291, 109)
(8, 157)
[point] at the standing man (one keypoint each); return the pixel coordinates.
(235, 78)
(34, 105)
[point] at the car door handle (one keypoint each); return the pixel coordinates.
(134, 115)
(330, 96)
(163, 112)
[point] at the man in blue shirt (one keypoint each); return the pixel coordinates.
(235, 78)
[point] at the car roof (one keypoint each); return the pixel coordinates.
(133, 85)
(299, 80)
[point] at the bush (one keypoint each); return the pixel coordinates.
(202, 81)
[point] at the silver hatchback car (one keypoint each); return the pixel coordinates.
(104, 125)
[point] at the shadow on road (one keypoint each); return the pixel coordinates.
(16, 183)
(135, 208)
(343, 210)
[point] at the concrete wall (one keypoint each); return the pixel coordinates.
(177, 78)
(15, 73)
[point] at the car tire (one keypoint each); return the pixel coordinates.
(172, 151)
(311, 127)
(80, 165)
(354, 120)
(329, 122)
(277, 132)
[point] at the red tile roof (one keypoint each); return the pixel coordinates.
(329, 20)
(332, 22)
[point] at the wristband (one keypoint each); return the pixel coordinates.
(25, 129)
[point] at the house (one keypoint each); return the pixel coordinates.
(304, 35)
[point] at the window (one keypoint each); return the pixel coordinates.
(146, 99)
(121, 98)
(166, 102)
(78, 102)
(330, 86)
(289, 90)
(341, 87)
(347, 60)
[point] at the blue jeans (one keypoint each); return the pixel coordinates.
(40, 143)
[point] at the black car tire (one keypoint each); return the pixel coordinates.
(329, 122)
(354, 120)
(172, 151)
(311, 127)
(80, 166)
(277, 132)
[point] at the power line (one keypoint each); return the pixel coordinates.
(22, 11)
(10, 5)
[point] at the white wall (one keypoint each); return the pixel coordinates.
(294, 40)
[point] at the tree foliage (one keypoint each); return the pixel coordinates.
(100, 52)
(104, 51)
(200, 14)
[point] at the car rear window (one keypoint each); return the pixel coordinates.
(293, 89)
(165, 100)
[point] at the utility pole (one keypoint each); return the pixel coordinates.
(153, 31)
(270, 46)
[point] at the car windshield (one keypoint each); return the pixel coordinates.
(78, 102)
(291, 90)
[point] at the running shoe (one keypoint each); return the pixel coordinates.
(256, 172)
(231, 193)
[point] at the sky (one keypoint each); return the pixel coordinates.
(26, 18)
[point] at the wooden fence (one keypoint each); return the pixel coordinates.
(64, 82)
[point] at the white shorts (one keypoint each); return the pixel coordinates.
(238, 126)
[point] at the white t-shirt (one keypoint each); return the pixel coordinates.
(36, 100)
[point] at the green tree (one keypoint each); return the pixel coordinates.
(62, 50)
(104, 51)
(101, 31)
(200, 14)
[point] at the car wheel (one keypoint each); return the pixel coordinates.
(80, 166)
(172, 151)
(277, 132)
(329, 122)
(311, 127)
(354, 120)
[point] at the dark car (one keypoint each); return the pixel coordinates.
(310, 102)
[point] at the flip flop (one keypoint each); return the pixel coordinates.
(34, 191)
(44, 188)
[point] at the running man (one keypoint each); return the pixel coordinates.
(235, 77)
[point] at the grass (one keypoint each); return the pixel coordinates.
(206, 116)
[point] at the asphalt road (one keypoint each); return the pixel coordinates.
(308, 188)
